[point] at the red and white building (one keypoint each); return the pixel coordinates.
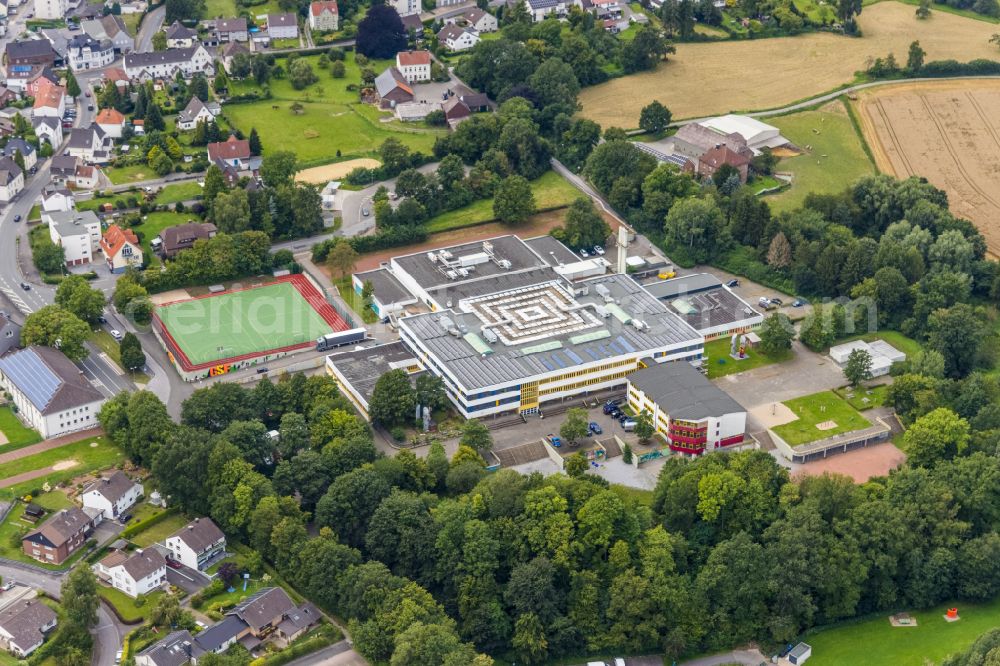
(694, 415)
(324, 16)
(415, 66)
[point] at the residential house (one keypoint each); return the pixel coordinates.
(51, 9)
(392, 88)
(58, 38)
(6, 126)
(455, 110)
(456, 39)
(181, 237)
(477, 102)
(116, 75)
(6, 96)
(50, 102)
(475, 18)
(91, 144)
(50, 393)
(11, 179)
(60, 201)
(62, 534)
(78, 232)
(405, 7)
(222, 635)
(166, 64)
(607, 9)
(272, 610)
(197, 112)
(230, 51)
(712, 160)
(10, 333)
(231, 152)
(85, 177)
(413, 24)
(324, 16)
(30, 52)
(62, 169)
(140, 573)
(41, 78)
(176, 649)
(180, 36)
(24, 624)
(197, 544)
(121, 248)
(48, 129)
(542, 9)
(415, 66)
(283, 26)
(448, 3)
(17, 145)
(112, 495)
(138, 126)
(328, 195)
(230, 30)
(111, 28)
(84, 52)
(111, 121)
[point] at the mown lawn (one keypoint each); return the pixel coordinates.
(229, 8)
(171, 194)
(129, 174)
(856, 397)
(127, 606)
(354, 300)
(326, 89)
(817, 408)
(92, 453)
(720, 363)
(13, 528)
(17, 434)
(159, 531)
(154, 223)
(322, 129)
(551, 191)
(875, 641)
(834, 159)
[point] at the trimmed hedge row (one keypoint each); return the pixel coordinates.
(135, 528)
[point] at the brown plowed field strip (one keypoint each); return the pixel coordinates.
(751, 75)
(947, 132)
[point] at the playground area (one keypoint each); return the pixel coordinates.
(244, 325)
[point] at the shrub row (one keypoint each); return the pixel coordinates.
(135, 528)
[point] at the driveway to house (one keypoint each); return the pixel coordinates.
(338, 654)
(746, 657)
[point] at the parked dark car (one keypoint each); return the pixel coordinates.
(25, 286)
(777, 301)
(595, 428)
(261, 371)
(733, 283)
(124, 518)
(17, 218)
(174, 564)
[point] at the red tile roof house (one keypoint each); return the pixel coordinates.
(324, 16)
(231, 152)
(710, 162)
(121, 248)
(415, 66)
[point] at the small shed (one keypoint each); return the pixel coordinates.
(800, 653)
(33, 513)
(753, 340)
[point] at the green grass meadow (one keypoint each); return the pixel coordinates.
(835, 157)
(817, 408)
(87, 458)
(160, 531)
(875, 641)
(18, 435)
(720, 363)
(131, 610)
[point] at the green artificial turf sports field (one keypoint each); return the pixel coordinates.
(232, 324)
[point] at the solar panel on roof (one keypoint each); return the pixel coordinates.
(574, 356)
(625, 344)
(591, 354)
(30, 374)
(548, 366)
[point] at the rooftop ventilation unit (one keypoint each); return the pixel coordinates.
(490, 335)
(504, 263)
(432, 256)
(452, 275)
(444, 254)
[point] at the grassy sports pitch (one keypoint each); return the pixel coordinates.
(240, 324)
(815, 409)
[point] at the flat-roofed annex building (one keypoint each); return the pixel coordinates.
(712, 308)
(507, 332)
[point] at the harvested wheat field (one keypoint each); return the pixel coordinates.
(322, 175)
(712, 78)
(947, 132)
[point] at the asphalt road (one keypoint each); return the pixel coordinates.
(338, 654)
(150, 25)
(108, 634)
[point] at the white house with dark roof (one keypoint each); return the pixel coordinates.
(24, 624)
(91, 144)
(180, 36)
(455, 38)
(283, 26)
(48, 129)
(111, 28)
(196, 112)
(17, 145)
(83, 52)
(176, 649)
(542, 9)
(165, 64)
(10, 333)
(197, 544)
(78, 232)
(11, 179)
(50, 393)
(475, 18)
(230, 30)
(142, 572)
(60, 200)
(112, 495)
